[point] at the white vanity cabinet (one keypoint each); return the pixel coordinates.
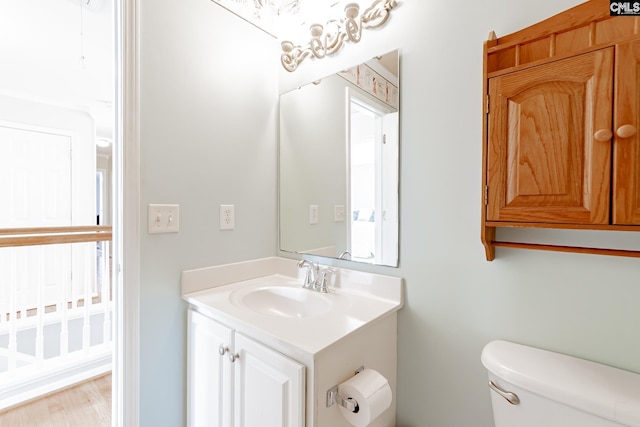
(236, 381)
(209, 393)
(269, 388)
(290, 346)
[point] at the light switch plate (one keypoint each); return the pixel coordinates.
(338, 213)
(313, 214)
(163, 218)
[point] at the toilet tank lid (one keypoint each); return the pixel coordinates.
(591, 387)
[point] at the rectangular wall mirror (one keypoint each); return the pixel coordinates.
(339, 164)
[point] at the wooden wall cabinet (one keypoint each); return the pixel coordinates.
(561, 114)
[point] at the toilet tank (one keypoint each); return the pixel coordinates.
(556, 390)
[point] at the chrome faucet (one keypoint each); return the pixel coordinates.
(315, 278)
(311, 275)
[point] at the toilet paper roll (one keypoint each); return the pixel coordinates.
(372, 392)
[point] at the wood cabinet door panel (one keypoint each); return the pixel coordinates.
(626, 151)
(543, 163)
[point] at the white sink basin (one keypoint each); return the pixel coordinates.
(282, 300)
(264, 299)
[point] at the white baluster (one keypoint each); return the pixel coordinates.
(13, 291)
(66, 297)
(87, 281)
(39, 254)
(105, 292)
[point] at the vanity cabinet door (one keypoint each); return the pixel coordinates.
(209, 394)
(546, 161)
(269, 388)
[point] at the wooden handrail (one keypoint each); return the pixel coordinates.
(51, 230)
(10, 237)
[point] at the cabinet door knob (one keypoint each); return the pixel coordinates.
(603, 135)
(222, 350)
(234, 357)
(626, 131)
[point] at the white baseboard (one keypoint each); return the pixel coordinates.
(38, 382)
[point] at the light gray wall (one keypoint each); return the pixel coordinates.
(456, 302)
(206, 143)
(208, 102)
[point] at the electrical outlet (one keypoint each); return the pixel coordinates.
(227, 217)
(163, 218)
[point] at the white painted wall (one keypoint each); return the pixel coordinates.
(76, 123)
(42, 43)
(208, 101)
(208, 137)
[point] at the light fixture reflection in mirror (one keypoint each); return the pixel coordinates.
(339, 151)
(329, 38)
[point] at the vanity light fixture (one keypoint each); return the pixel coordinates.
(329, 40)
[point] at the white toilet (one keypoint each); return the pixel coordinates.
(538, 388)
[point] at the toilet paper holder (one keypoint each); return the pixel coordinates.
(333, 397)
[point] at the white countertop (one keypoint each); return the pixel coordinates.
(356, 299)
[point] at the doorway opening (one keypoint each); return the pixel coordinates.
(373, 183)
(58, 129)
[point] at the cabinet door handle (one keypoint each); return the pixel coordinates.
(603, 135)
(222, 349)
(234, 357)
(626, 131)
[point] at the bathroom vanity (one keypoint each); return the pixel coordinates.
(264, 351)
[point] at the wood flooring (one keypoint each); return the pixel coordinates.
(85, 405)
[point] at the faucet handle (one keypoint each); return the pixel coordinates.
(309, 276)
(322, 282)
